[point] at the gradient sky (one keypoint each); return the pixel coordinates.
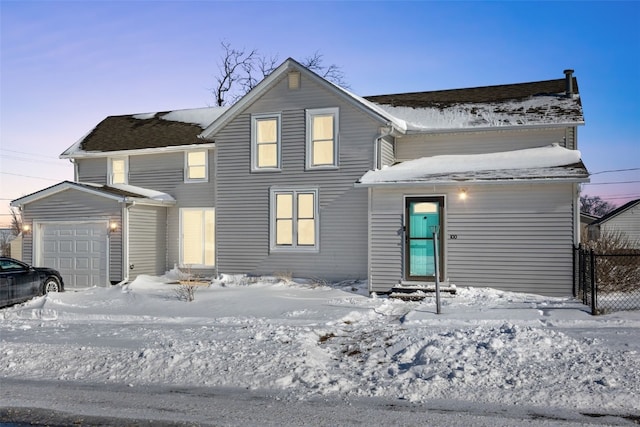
(65, 66)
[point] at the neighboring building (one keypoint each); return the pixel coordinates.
(304, 177)
(625, 220)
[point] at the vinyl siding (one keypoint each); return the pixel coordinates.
(516, 237)
(417, 146)
(70, 205)
(627, 222)
(161, 172)
(387, 153)
(147, 240)
(242, 204)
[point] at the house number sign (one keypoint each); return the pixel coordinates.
(453, 236)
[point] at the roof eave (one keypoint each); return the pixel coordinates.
(547, 180)
(135, 152)
(493, 128)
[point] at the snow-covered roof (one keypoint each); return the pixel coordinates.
(118, 192)
(550, 162)
(522, 104)
(145, 131)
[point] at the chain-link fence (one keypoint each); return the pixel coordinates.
(607, 281)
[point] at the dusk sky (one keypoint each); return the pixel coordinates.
(65, 66)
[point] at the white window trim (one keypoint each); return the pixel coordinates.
(206, 166)
(254, 142)
(181, 239)
(272, 220)
(110, 169)
(336, 134)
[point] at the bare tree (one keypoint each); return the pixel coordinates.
(16, 222)
(595, 206)
(240, 70)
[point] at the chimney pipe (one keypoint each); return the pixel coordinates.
(568, 83)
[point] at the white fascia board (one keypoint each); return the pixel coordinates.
(138, 152)
(275, 76)
(58, 188)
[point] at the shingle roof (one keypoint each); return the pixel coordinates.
(490, 94)
(117, 133)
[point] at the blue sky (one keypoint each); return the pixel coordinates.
(65, 66)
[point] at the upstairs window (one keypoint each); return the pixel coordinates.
(196, 168)
(265, 142)
(118, 171)
(322, 138)
(294, 219)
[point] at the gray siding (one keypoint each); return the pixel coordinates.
(627, 222)
(242, 204)
(387, 153)
(516, 237)
(92, 170)
(417, 146)
(147, 240)
(161, 172)
(70, 205)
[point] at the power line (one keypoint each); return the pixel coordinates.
(608, 183)
(25, 159)
(28, 154)
(29, 176)
(614, 170)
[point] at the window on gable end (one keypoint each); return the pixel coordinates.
(265, 142)
(118, 170)
(196, 167)
(322, 138)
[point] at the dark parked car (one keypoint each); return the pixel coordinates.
(20, 282)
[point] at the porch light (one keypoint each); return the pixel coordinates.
(26, 229)
(113, 226)
(462, 194)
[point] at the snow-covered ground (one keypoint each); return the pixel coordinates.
(303, 342)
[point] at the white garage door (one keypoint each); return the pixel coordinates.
(78, 251)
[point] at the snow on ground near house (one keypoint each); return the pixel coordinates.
(530, 158)
(304, 341)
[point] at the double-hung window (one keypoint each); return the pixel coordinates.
(118, 170)
(197, 232)
(322, 138)
(265, 142)
(294, 219)
(195, 166)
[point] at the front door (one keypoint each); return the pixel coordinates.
(424, 222)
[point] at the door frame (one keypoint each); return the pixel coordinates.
(408, 199)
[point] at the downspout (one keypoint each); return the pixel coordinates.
(125, 240)
(377, 146)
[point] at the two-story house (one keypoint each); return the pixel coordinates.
(302, 176)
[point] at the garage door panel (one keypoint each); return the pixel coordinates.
(65, 246)
(82, 247)
(78, 251)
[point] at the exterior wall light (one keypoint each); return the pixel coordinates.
(26, 229)
(113, 226)
(462, 195)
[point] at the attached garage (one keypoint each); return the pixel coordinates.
(95, 235)
(78, 250)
